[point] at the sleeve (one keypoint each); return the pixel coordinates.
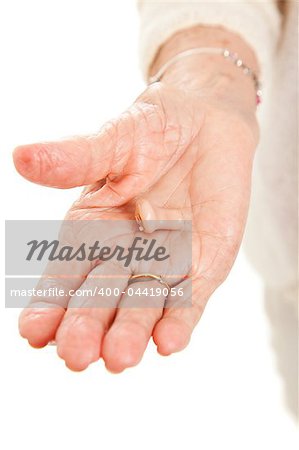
(257, 21)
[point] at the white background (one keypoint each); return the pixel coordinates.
(67, 66)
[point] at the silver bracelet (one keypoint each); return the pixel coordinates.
(227, 54)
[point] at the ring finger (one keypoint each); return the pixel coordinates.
(128, 336)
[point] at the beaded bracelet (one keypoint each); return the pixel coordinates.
(227, 54)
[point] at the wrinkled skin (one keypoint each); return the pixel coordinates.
(178, 150)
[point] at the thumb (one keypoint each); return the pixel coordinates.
(74, 161)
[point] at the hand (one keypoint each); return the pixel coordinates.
(179, 148)
(97, 311)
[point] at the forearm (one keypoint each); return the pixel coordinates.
(207, 73)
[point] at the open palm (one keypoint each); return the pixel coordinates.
(179, 151)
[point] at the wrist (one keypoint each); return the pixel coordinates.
(208, 75)
(211, 78)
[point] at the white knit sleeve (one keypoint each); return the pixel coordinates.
(257, 21)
